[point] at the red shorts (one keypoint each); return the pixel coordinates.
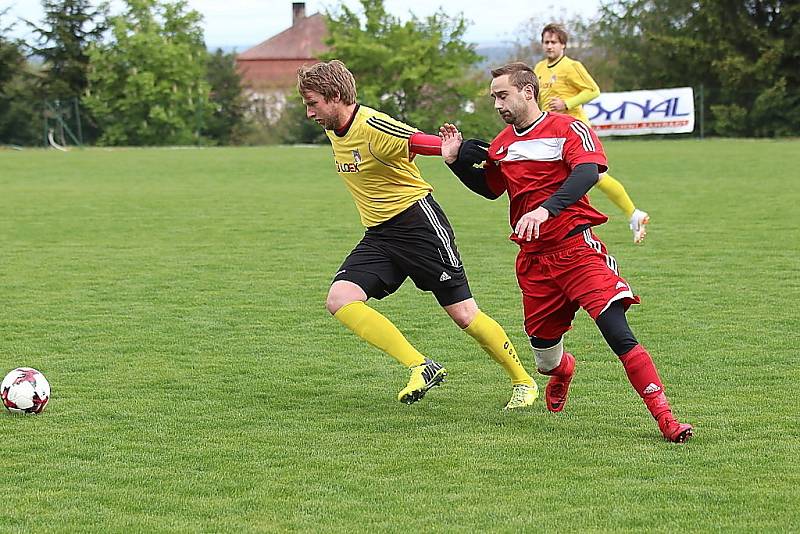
(556, 283)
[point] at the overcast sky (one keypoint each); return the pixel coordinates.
(244, 23)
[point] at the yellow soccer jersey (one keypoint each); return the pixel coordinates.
(372, 157)
(568, 80)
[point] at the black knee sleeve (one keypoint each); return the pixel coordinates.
(539, 343)
(614, 326)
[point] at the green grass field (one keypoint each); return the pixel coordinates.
(175, 301)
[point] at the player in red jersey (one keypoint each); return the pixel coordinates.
(547, 162)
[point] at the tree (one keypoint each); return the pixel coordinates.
(224, 125)
(743, 52)
(19, 119)
(68, 28)
(11, 56)
(148, 85)
(415, 71)
(295, 127)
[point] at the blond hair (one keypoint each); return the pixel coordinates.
(330, 79)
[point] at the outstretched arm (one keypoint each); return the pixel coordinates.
(425, 144)
(461, 157)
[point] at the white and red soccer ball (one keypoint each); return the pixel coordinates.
(25, 390)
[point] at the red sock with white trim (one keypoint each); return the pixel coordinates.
(644, 378)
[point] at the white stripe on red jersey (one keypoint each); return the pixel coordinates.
(533, 164)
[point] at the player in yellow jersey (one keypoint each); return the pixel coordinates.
(407, 233)
(565, 86)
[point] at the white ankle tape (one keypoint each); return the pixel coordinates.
(549, 359)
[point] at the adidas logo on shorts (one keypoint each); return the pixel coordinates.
(445, 277)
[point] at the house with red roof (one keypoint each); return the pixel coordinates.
(269, 69)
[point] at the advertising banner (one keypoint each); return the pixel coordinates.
(658, 111)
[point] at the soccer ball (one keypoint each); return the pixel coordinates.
(25, 390)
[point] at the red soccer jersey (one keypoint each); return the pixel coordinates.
(532, 165)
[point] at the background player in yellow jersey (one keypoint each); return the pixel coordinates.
(565, 86)
(407, 233)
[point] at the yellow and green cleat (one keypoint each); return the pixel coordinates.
(423, 377)
(522, 396)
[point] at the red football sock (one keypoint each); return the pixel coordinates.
(644, 378)
(562, 369)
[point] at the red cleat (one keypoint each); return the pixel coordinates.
(557, 389)
(673, 430)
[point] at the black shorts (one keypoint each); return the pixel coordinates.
(418, 243)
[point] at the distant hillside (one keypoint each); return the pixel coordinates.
(494, 54)
(229, 48)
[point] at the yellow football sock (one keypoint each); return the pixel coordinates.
(379, 332)
(494, 340)
(615, 191)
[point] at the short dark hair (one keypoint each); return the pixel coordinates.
(558, 30)
(519, 75)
